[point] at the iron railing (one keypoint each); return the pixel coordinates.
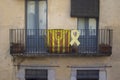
(37, 42)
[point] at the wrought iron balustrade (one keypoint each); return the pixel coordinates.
(37, 42)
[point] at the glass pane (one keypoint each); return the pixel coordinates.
(30, 16)
(42, 14)
(81, 25)
(87, 74)
(36, 74)
(92, 26)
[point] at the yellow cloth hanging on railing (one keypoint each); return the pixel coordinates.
(58, 40)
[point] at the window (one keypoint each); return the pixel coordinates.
(88, 34)
(36, 74)
(36, 14)
(87, 26)
(85, 8)
(88, 74)
(87, 13)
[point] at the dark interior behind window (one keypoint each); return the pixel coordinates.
(87, 74)
(36, 74)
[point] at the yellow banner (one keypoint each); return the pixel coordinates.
(58, 40)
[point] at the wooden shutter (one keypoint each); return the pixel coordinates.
(85, 8)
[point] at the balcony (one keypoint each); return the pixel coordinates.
(56, 42)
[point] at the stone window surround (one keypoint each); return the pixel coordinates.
(21, 72)
(102, 72)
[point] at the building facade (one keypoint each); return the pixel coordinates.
(36, 40)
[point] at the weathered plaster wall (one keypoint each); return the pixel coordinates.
(11, 16)
(59, 15)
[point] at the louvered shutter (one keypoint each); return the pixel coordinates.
(85, 8)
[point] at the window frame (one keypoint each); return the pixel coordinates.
(102, 72)
(86, 19)
(36, 71)
(21, 72)
(36, 1)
